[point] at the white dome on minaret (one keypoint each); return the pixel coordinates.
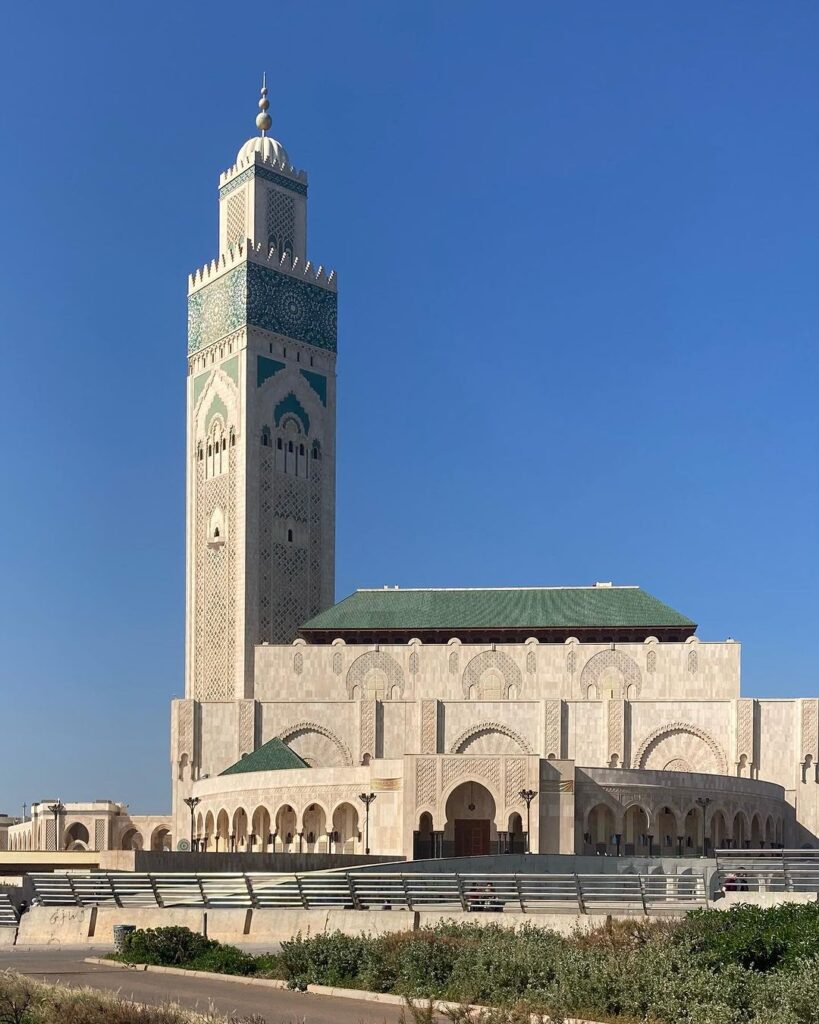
(268, 148)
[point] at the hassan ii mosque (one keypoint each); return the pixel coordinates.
(569, 719)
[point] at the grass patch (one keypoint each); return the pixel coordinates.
(24, 1001)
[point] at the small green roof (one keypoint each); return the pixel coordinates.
(272, 756)
(510, 608)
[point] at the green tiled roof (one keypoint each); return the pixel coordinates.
(512, 608)
(272, 756)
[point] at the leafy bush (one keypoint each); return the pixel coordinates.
(322, 960)
(760, 939)
(165, 947)
(223, 959)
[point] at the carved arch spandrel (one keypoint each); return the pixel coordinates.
(305, 727)
(677, 728)
(489, 727)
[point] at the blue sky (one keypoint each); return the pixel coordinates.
(577, 249)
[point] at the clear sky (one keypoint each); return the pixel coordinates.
(577, 251)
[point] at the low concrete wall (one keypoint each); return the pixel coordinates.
(8, 936)
(55, 926)
(75, 926)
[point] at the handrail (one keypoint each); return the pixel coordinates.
(457, 891)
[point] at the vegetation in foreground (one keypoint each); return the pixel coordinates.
(23, 1001)
(744, 966)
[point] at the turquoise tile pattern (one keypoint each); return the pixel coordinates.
(262, 297)
(263, 172)
(291, 404)
(583, 607)
(266, 368)
(318, 382)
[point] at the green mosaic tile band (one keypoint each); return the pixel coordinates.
(262, 172)
(262, 297)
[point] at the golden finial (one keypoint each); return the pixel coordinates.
(263, 119)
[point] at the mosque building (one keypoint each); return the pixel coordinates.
(417, 723)
(571, 719)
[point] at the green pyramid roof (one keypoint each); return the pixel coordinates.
(511, 608)
(272, 756)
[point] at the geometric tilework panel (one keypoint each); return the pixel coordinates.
(263, 297)
(99, 835)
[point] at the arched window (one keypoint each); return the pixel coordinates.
(290, 446)
(216, 533)
(200, 453)
(301, 449)
(279, 443)
(232, 439)
(290, 536)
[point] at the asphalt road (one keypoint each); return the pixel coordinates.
(275, 1006)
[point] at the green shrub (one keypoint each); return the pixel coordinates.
(323, 960)
(760, 939)
(223, 959)
(165, 947)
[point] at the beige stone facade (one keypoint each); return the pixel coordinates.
(594, 729)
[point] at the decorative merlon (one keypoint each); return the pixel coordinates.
(257, 253)
(258, 160)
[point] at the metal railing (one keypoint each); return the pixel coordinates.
(768, 870)
(8, 915)
(520, 893)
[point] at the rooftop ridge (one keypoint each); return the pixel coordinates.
(279, 166)
(249, 250)
(439, 590)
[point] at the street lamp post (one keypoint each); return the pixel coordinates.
(192, 802)
(704, 801)
(366, 799)
(528, 795)
(56, 809)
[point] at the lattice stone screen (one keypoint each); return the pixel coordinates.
(281, 221)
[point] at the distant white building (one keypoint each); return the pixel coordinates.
(94, 825)
(448, 709)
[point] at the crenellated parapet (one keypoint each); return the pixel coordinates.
(278, 171)
(283, 263)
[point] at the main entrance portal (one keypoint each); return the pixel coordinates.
(470, 822)
(471, 837)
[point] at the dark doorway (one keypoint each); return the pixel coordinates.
(471, 837)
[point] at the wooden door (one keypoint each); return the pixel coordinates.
(471, 837)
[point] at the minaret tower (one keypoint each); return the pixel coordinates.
(261, 426)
